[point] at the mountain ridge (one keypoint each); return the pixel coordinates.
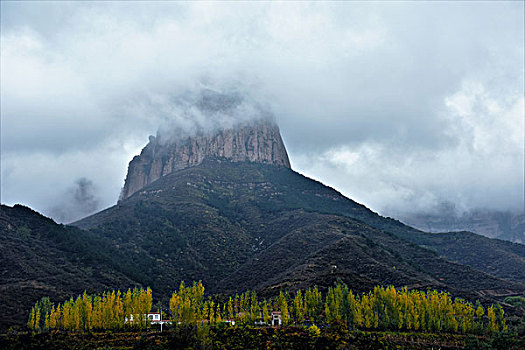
(258, 201)
(225, 207)
(237, 226)
(42, 258)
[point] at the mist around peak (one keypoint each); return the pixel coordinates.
(206, 125)
(399, 106)
(206, 111)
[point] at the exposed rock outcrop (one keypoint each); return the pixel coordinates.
(256, 141)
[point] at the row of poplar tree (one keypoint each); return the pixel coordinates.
(111, 310)
(384, 308)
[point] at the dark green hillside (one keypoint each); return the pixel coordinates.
(240, 226)
(244, 190)
(244, 225)
(497, 257)
(41, 258)
(338, 248)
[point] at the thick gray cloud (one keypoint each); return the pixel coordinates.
(401, 106)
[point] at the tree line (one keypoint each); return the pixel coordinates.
(384, 308)
(111, 310)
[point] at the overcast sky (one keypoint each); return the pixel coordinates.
(401, 106)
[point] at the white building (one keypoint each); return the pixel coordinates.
(152, 317)
(276, 318)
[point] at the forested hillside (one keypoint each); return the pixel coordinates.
(254, 226)
(239, 226)
(41, 258)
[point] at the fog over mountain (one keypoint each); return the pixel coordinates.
(400, 106)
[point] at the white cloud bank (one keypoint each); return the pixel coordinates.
(401, 106)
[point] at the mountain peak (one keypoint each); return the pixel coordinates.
(253, 141)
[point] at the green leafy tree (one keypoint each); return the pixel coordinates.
(265, 312)
(34, 319)
(492, 326)
(298, 308)
(313, 304)
(281, 304)
(480, 312)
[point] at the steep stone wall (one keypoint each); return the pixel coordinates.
(258, 141)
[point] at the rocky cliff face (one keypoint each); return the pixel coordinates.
(258, 141)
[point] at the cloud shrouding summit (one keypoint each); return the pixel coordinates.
(401, 106)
